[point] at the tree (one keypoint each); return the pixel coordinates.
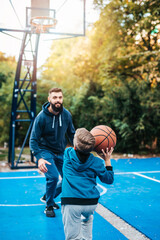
(7, 71)
(132, 74)
(112, 76)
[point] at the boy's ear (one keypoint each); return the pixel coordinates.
(74, 148)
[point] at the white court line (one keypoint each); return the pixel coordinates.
(121, 173)
(153, 179)
(20, 205)
(31, 205)
(103, 188)
(42, 176)
(23, 205)
(3, 178)
(127, 230)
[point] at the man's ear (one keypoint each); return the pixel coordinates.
(74, 148)
(48, 99)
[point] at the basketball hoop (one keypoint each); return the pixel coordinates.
(41, 24)
(28, 63)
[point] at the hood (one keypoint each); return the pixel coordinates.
(46, 111)
(76, 163)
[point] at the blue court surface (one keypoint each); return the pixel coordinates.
(134, 197)
(135, 193)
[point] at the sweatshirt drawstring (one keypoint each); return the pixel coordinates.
(53, 121)
(60, 121)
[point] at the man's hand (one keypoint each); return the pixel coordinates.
(42, 165)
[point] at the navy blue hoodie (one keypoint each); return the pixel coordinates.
(49, 131)
(79, 179)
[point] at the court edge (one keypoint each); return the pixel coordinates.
(126, 229)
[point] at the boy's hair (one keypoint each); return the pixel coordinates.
(55, 90)
(83, 140)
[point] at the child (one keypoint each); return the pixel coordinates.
(79, 192)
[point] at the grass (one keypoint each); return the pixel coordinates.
(26, 151)
(4, 153)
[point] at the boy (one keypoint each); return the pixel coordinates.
(79, 193)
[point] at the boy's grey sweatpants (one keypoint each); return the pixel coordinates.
(78, 221)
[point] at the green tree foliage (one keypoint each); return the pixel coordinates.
(65, 63)
(87, 105)
(7, 72)
(111, 76)
(2, 78)
(130, 74)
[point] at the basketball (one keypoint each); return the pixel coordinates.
(104, 136)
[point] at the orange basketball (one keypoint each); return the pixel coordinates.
(105, 137)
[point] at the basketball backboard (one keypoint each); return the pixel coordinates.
(15, 16)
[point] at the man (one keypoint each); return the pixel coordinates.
(48, 142)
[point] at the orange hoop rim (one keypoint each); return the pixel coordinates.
(43, 24)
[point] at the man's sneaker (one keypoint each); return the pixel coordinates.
(55, 206)
(43, 199)
(49, 211)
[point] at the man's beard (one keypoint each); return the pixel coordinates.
(57, 109)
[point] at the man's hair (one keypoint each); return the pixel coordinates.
(55, 90)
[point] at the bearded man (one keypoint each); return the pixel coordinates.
(48, 142)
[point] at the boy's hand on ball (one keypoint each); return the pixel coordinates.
(107, 155)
